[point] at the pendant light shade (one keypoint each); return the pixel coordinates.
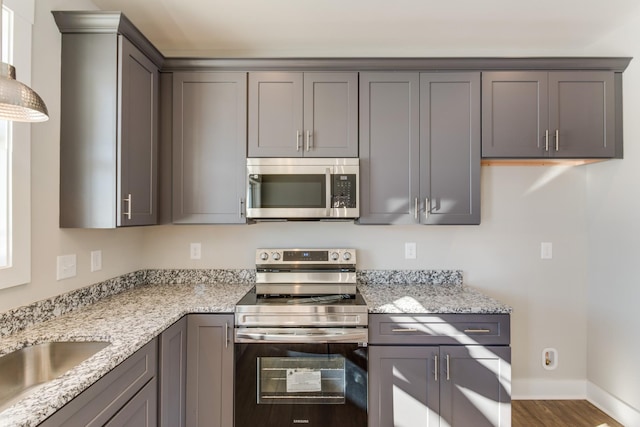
(18, 102)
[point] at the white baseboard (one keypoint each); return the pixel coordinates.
(538, 389)
(612, 406)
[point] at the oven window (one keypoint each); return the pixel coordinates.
(301, 380)
(289, 191)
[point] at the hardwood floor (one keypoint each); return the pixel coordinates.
(559, 413)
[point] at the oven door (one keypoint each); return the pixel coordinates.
(291, 384)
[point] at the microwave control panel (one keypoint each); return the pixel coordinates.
(343, 191)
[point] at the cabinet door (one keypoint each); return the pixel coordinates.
(450, 148)
(275, 114)
(210, 370)
(138, 80)
(99, 403)
(141, 411)
(582, 114)
(403, 386)
(389, 148)
(172, 360)
(330, 115)
(514, 114)
(209, 147)
(476, 386)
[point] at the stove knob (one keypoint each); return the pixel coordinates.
(276, 256)
(334, 256)
(264, 256)
(346, 256)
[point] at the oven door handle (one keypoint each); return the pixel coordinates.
(301, 335)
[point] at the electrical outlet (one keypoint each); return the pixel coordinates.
(96, 261)
(549, 359)
(410, 250)
(66, 266)
(196, 251)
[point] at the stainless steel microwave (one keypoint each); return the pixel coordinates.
(303, 188)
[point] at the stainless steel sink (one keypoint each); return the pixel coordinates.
(23, 370)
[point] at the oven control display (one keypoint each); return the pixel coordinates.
(305, 256)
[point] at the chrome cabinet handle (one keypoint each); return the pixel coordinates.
(298, 135)
(309, 136)
(415, 209)
(435, 371)
(557, 140)
(129, 201)
(241, 207)
(448, 377)
(477, 331)
(427, 208)
(226, 335)
(404, 330)
(546, 140)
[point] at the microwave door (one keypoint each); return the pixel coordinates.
(290, 193)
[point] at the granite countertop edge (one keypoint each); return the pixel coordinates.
(134, 317)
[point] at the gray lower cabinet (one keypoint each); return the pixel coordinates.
(538, 114)
(210, 370)
(109, 126)
(172, 372)
(295, 114)
(209, 147)
(126, 396)
(415, 381)
(420, 148)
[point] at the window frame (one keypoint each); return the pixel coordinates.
(19, 270)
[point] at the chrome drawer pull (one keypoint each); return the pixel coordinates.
(477, 331)
(404, 330)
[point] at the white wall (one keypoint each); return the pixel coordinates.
(522, 206)
(613, 204)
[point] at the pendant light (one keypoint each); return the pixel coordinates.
(18, 102)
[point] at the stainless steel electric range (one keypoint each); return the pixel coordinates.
(301, 341)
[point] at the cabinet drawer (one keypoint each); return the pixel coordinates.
(451, 329)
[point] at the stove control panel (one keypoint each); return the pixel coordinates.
(302, 256)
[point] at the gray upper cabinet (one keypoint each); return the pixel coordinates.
(450, 148)
(294, 114)
(420, 148)
(109, 124)
(389, 147)
(563, 114)
(209, 147)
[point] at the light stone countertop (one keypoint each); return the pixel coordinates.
(440, 299)
(132, 318)
(128, 320)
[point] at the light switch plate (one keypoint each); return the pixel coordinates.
(96, 261)
(410, 250)
(196, 251)
(546, 250)
(66, 266)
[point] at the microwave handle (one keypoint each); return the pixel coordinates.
(328, 192)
